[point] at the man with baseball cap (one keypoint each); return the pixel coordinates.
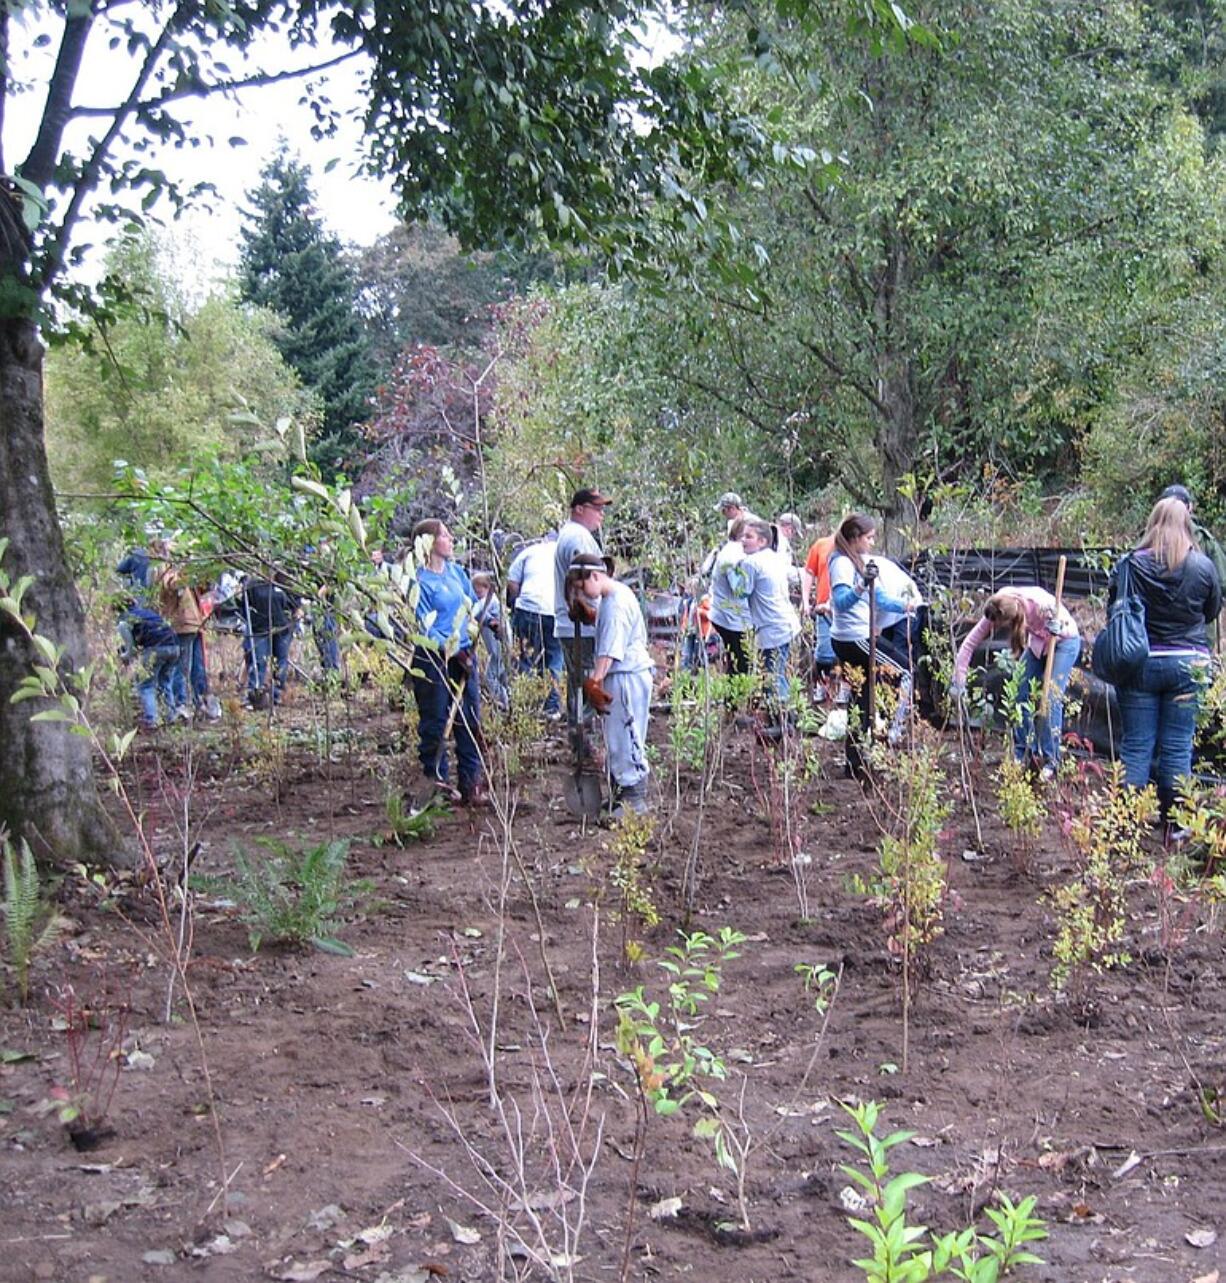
(575, 537)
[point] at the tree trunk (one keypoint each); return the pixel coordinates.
(47, 790)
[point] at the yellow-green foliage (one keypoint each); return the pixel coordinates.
(1020, 808)
(628, 843)
(1091, 907)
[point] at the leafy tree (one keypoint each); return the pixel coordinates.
(416, 286)
(165, 381)
(292, 266)
(1010, 213)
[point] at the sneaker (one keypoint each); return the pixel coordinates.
(552, 715)
(182, 713)
(1047, 774)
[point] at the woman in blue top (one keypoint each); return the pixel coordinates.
(849, 631)
(443, 667)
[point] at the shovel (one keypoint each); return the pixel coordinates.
(870, 582)
(580, 789)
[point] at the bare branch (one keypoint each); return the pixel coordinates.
(199, 89)
(843, 376)
(40, 163)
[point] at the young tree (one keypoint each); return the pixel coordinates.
(291, 265)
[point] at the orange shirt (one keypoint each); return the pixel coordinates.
(817, 563)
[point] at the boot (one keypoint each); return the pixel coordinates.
(629, 797)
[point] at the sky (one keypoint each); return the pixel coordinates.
(205, 243)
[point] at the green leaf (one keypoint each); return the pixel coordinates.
(329, 944)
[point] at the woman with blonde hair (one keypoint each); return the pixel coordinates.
(1180, 589)
(1035, 626)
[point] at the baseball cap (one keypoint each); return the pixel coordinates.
(589, 497)
(729, 499)
(1178, 492)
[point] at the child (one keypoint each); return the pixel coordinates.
(487, 611)
(146, 633)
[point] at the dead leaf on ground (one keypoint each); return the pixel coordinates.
(1205, 1237)
(463, 1233)
(418, 1221)
(1126, 1166)
(665, 1209)
(296, 1272)
(1212, 1277)
(373, 1255)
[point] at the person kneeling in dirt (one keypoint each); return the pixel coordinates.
(620, 685)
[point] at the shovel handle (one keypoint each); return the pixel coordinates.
(1045, 696)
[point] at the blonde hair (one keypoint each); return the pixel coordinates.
(1005, 609)
(1168, 534)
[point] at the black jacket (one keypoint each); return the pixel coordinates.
(269, 607)
(1179, 603)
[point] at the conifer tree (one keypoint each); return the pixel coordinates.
(292, 265)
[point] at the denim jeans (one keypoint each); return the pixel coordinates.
(775, 668)
(160, 665)
(434, 683)
(1046, 741)
(539, 651)
(190, 675)
(262, 646)
(1158, 709)
(824, 658)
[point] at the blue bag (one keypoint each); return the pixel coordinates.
(1123, 645)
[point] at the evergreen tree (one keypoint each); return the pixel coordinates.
(291, 265)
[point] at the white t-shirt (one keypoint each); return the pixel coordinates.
(893, 581)
(729, 589)
(621, 632)
(532, 569)
(774, 620)
(572, 540)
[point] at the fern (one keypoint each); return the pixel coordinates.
(22, 908)
(293, 897)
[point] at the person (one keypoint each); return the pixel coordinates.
(815, 602)
(530, 595)
(699, 640)
(620, 685)
(1209, 545)
(903, 630)
(145, 633)
(179, 603)
(1182, 593)
(764, 575)
(733, 508)
(445, 680)
(268, 611)
(789, 532)
(1035, 627)
(488, 615)
(134, 569)
(576, 536)
(729, 607)
(849, 632)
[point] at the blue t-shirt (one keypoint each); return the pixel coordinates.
(448, 596)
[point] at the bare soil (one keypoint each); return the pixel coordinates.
(334, 1075)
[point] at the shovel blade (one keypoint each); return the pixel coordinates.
(583, 796)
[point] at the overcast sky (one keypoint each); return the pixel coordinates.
(354, 207)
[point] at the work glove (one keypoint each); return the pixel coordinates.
(597, 696)
(463, 660)
(581, 610)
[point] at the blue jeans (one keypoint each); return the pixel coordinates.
(160, 666)
(1158, 709)
(190, 674)
(1046, 742)
(262, 646)
(824, 658)
(434, 683)
(539, 650)
(775, 666)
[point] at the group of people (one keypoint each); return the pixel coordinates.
(567, 612)
(162, 620)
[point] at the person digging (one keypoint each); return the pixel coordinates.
(619, 687)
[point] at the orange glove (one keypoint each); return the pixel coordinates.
(597, 696)
(581, 610)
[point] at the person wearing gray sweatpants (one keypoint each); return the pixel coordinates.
(620, 685)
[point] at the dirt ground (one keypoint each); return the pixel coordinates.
(334, 1075)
